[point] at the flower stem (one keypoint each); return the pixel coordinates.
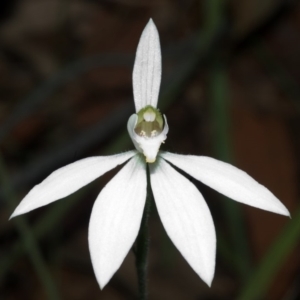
(142, 247)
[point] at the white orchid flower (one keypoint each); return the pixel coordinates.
(118, 210)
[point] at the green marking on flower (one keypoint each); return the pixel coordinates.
(150, 122)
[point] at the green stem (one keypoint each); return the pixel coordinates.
(28, 238)
(142, 248)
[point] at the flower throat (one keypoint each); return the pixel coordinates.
(150, 122)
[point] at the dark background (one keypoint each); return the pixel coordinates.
(230, 90)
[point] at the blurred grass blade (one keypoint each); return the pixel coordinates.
(214, 28)
(218, 84)
(218, 90)
(261, 279)
(277, 71)
(49, 221)
(28, 239)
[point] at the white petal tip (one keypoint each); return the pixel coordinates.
(287, 213)
(209, 283)
(12, 216)
(208, 278)
(16, 213)
(151, 22)
(282, 210)
(20, 210)
(103, 279)
(102, 285)
(150, 29)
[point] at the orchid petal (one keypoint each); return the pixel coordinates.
(69, 179)
(147, 68)
(116, 219)
(185, 217)
(227, 180)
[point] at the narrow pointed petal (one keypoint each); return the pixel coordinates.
(227, 180)
(69, 179)
(116, 219)
(147, 68)
(185, 217)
